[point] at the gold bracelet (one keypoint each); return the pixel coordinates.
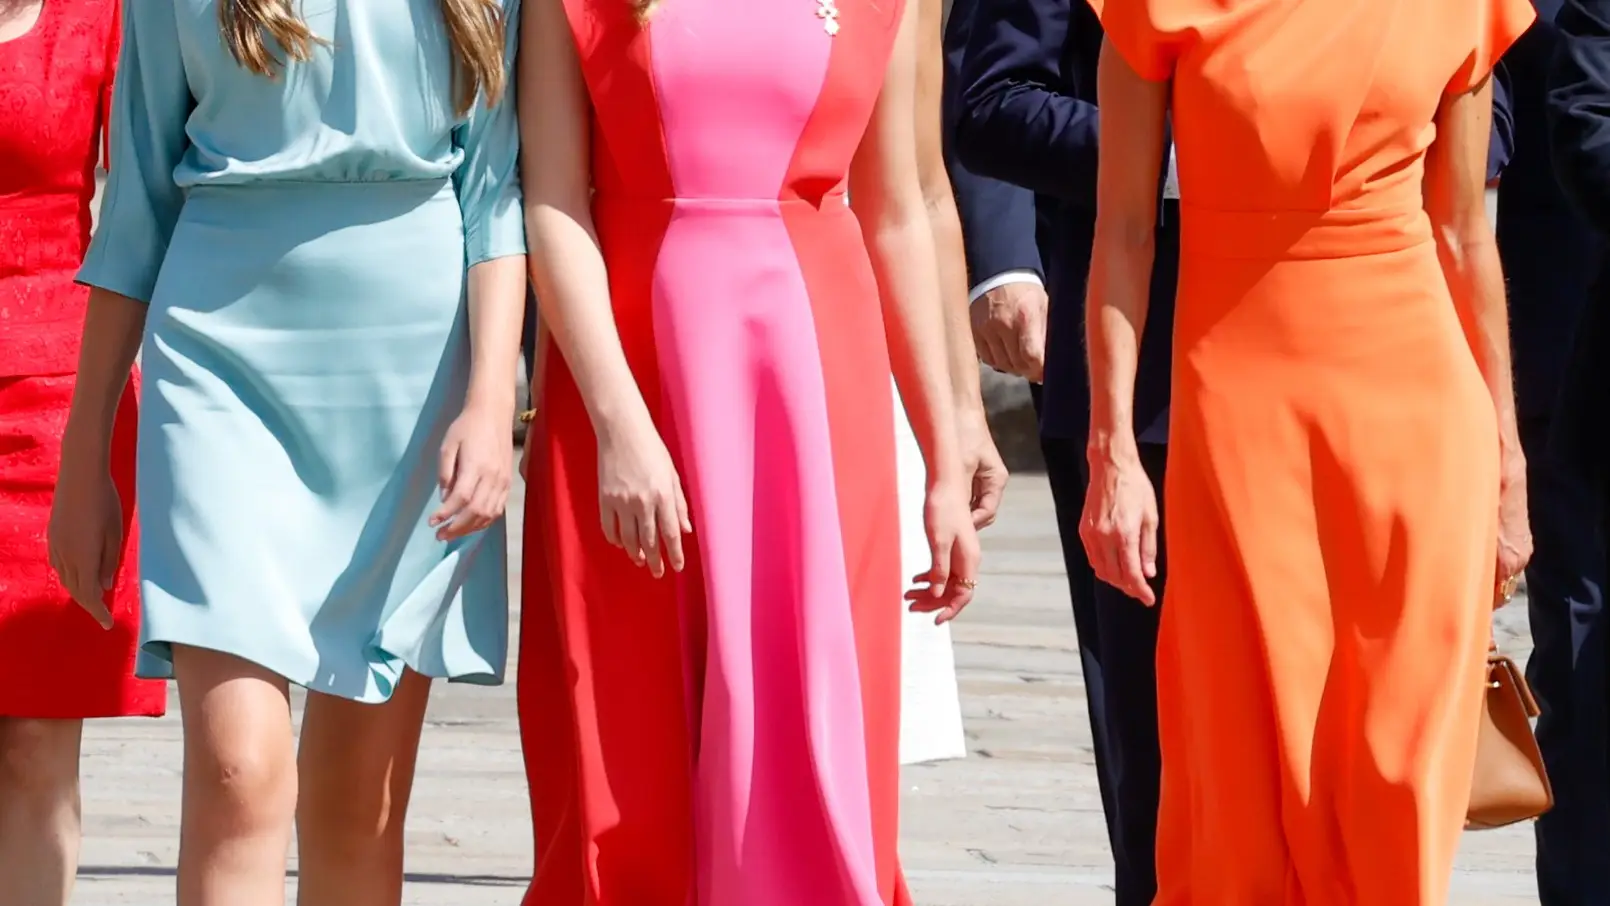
(527, 416)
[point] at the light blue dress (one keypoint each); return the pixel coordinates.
(303, 243)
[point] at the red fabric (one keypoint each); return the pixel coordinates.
(54, 88)
(54, 92)
(54, 661)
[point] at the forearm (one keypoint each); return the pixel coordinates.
(1115, 315)
(960, 354)
(113, 327)
(903, 260)
(497, 314)
(572, 287)
(1475, 279)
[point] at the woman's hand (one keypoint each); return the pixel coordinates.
(947, 587)
(640, 496)
(475, 471)
(1119, 526)
(86, 537)
(1514, 526)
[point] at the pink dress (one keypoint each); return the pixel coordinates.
(729, 736)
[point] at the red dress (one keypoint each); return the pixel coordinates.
(54, 90)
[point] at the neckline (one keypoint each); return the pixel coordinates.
(38, 26)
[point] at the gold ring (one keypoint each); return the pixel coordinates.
(1507, 588)
(968, 584)
(527, 416)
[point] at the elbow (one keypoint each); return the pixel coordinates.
(1468, 253)
(546, 210)
(127, 269)
(975, 123)
(890, 229)
(1464, 233)
(938, 198)
(1126, 236)
(890, 210)
(1460, 244)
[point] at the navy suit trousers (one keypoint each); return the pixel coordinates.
(1118, 654)
(1567, 672)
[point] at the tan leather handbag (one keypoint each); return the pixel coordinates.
(1511, 783)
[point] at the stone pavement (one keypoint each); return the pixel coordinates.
(1017, 823)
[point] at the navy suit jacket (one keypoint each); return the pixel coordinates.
(1027, 116)
(1550, 254)
(1578, 116)
(998, 218)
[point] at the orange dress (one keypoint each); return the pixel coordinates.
(1332, 486)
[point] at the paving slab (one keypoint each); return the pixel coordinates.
(1017, 823)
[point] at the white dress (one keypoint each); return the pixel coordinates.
(930, 705)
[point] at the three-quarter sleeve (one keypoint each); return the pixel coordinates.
(488, 179)
(151, 103)
(1495, 24)
(1145, 34)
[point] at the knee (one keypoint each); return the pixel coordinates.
(38, 763)
(241, 789)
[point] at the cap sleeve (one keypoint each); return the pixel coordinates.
(1145, 34)
(1495, 26)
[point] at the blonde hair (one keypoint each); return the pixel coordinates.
(475, 27)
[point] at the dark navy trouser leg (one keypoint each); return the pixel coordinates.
(1567, 672)
(1118, 649)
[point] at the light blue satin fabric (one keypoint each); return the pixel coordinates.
(302, 242)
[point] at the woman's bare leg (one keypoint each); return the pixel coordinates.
(357, 770)
(239, 780)
(39, 809)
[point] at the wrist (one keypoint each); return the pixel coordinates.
(970, 412)
(85, 448)
(944, 467)
(490, 396)
(1511, 463)
(613, 418)
(1106, 447)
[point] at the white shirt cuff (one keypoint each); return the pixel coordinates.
(1019, 275)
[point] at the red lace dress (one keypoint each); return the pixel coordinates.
(55, 662)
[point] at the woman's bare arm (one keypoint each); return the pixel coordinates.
(941, 204)
(113, 326)
(567, 264)
(887, 195)
(979, 456)
(1456, 202)
(1130, 157)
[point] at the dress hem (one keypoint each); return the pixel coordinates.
(97, 713)
(160, 651)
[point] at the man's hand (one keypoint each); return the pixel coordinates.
(986, 472)
(1009, 329)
